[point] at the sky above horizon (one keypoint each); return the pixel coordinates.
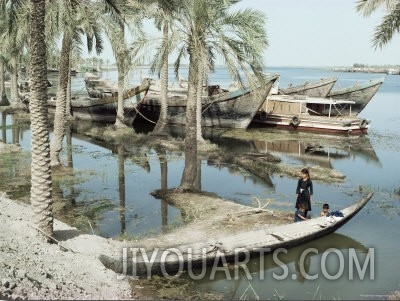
(317, 33)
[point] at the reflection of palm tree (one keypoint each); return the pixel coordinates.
(164, 185)
(121, 187)
(3, 127)
(14, 131)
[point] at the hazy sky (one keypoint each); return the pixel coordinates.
(319, 33)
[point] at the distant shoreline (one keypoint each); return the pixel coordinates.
(387, 69)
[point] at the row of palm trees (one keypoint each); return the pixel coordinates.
(200, 31)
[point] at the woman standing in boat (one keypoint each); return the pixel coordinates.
(304, 191)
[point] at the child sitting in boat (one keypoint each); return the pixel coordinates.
(325, 210)
(300, 214)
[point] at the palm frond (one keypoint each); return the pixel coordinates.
(390, 25)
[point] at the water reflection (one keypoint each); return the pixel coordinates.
(299, 262)
(103, 185)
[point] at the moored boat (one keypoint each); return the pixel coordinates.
(98, 87)
(220, 108)
(105, 109)
(300, 112)
(232, 248)
(360, 93)
(319, 88)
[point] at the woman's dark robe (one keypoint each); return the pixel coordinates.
(304, 190)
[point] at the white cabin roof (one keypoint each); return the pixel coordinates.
(307, 99)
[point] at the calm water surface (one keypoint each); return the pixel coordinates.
(112, 191)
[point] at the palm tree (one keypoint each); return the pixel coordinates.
(210, 29)
(80, 18)
(41, 184)
(3, 28)
(163, 14)
(390, 23)
(3, 97)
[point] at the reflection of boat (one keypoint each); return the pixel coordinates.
(225, 109)
(306, 152)
(320, 88)
(360, 93)
(234, 246)
(292, 257)
(103, 109)
(317, 148)
(300, 112)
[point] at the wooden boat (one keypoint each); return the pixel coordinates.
(300, 112)
(360, 93)
(104, 109)
(320, 88)
(231, 248)
(98, 87)
(221, 108)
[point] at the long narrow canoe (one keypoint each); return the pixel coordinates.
(320, 88)
(231, 248)
(360, 93)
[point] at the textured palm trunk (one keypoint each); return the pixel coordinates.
(162, 120)
(68, 111)
(119, 121)
(3, 97)
(41, 185)
(199, 95)
(189, 172)
(60, 114)
(15, 100)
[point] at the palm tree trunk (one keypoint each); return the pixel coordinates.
(60, 114)
(3, 97)
(199, 94)
(15, 100)
(120, 56)
(68, 111)
(162, 120)
(190, 170)
(41, 184)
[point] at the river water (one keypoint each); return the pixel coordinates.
(115, 204)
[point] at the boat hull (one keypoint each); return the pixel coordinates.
(319, 88)
(229, 109)
(232, 248)
(104, 110)
(321, 124)
(361, 94)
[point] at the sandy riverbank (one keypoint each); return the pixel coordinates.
(30, 268)
(33, 269)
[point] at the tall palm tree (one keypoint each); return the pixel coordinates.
(211, 29)
(116, 16)
(3, 97)
(41, 184)
(3, 28)
(164, 16)
(79, 18)
(390, 23)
